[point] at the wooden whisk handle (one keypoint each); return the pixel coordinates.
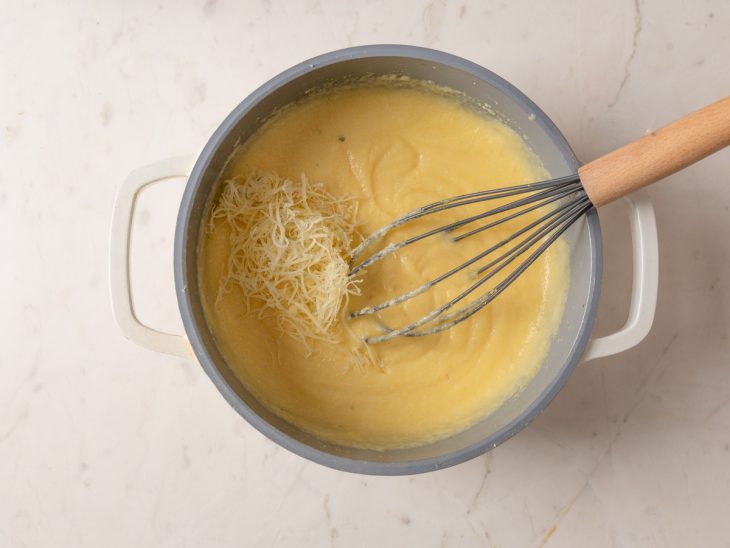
(657, 154)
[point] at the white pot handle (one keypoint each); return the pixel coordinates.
(645, 283)
(119, 282)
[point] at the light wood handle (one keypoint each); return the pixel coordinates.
(657, 154)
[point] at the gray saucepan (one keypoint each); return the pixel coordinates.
(570, 345)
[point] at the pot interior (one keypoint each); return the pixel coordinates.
(515, 110)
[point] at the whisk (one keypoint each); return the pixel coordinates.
(559, 202)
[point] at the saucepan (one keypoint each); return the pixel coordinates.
(571, 345)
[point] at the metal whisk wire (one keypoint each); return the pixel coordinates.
(541, 233)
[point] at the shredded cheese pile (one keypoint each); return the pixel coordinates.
(289, 242)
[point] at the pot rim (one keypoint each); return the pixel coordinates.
(186, 307)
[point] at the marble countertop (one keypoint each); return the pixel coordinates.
(103, 443)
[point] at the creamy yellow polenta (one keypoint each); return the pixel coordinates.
(392, 149)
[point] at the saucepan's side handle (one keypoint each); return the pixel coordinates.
(119, 247)
(645, 282)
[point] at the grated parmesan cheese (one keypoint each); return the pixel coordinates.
(289, 242)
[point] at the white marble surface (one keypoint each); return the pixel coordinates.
(106, 444)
